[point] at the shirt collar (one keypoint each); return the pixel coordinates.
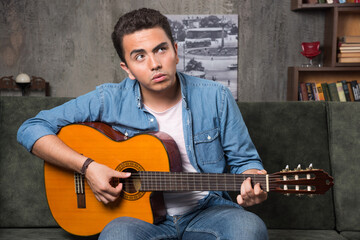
(137, 91)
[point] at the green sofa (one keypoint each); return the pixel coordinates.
(326, 134)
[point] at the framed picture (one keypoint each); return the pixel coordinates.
(208, 47)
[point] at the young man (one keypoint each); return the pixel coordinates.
(200, 115)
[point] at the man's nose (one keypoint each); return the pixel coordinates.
(155, 63)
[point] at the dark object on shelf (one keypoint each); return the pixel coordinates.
(36, 84)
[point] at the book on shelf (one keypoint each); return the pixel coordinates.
(320, 92)
(356, 90)
(341, 91)
(349, 49)
(310, 93)
(348, 54)
(346, 90)
(349, 60)
(334, 96)
(325, 89)
(315, 92)
(303, 92)
(351, 93)
(345, 45)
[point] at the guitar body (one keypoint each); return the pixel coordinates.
(81, 213)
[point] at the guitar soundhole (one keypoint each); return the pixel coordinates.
(131, 185)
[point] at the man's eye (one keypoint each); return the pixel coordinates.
(161, 49)
(139, 57)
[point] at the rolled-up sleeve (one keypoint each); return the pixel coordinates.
(239, 149)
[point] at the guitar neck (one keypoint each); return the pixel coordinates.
(185, 181)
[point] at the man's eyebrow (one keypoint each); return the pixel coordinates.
(136, 51)
(163, 44)
(140, 50)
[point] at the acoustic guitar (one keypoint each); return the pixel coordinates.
(154, 161)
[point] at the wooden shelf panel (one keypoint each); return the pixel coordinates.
(326, 69)
(328, 76)
(347, 65)
(299, 5)
(348, 23)
(297, 75)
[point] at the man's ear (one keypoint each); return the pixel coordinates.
(176, 52)
(127, 70)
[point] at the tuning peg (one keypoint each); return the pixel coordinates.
(287, 194)
(298, 167)
(286, 168)
(310, 166)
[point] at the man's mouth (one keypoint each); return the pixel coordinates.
(159, 77)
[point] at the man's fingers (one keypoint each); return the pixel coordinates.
(240, 200)
(257, 189)
(250, 195)
(122, 174)
(260, 194)
(248, 188)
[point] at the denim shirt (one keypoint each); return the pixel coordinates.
(214, 130)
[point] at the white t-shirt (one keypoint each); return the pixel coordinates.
(170, 122)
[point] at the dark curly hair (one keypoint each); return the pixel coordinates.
(136, 20)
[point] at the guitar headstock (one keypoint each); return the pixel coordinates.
(302, 181)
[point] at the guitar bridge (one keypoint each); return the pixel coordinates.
(80, 189)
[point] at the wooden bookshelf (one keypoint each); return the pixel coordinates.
(298, 75)
(297, 5)
(340, 20)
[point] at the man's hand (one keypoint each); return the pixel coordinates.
(98, 177)
(248, 195)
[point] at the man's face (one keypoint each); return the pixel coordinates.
(151, 59)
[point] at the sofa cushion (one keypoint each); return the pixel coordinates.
(23, 202)
(344, 122)
(59, 234)
(351, 235)
(304, 235)
(291, 133)
(39, 234)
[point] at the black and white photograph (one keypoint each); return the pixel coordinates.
(208, 46)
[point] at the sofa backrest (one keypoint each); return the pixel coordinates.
(344, 135)
(283, 132)
(291, 133)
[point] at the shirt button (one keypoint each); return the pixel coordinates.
(208, 137)
(151, 119)
(126, 134)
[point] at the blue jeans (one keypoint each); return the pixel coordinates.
(214, 218)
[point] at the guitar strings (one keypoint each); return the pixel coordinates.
(166, 180)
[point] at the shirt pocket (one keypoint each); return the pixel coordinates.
(208, 148)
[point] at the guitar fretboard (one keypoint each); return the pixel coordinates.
(182, 181)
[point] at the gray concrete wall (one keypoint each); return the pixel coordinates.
(67, 42)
